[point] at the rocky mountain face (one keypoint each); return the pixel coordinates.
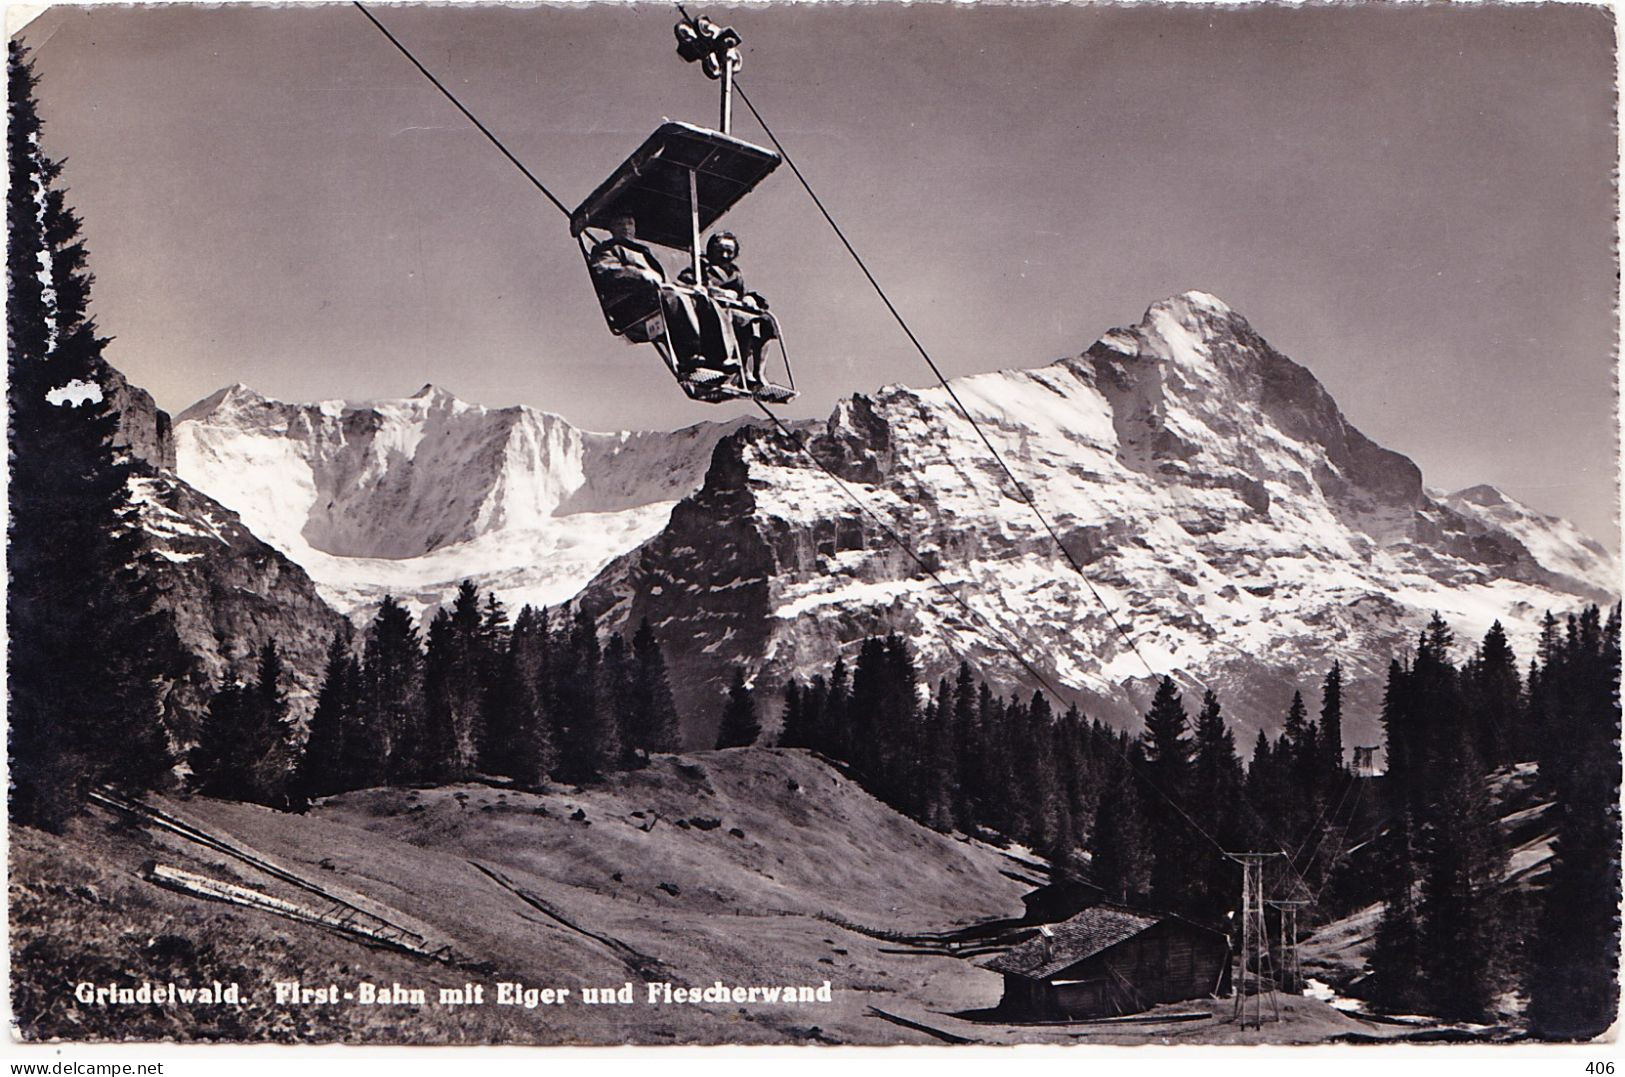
(1240, 529)
(229, 593)
(409, 497)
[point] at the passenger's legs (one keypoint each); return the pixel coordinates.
(682, 323)
(717, 345)
(747, 333)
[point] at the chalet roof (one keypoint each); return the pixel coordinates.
(1070, 941)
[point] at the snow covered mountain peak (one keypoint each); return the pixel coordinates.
(408, 495)
(1194, 388)
(1193, 315)
(1221, 505)
(234, 397)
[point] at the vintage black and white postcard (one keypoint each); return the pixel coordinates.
(813, 524)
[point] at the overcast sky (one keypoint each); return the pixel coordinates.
(1416, 203)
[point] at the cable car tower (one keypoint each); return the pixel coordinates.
(1252, 982)
(711, 334)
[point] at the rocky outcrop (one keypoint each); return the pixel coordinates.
(226, 592)
(229, 594)
(143, 427)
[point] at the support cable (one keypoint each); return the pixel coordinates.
(902, 544)
(1321, 832)
(801, 445)
(1021, 490)
(942, 379)
(495, 141)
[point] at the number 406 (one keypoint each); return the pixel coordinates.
(1600, 1067)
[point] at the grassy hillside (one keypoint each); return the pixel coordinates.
(750, 866)
(713, 866)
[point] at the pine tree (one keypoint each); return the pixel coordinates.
(1039, 776)
(1216, 788)
(739, 728)
(437, 752)
(939, 773)
(1263, 790)
(867, 714)
(1572, 981)
(996, 780)
(589, 736)
(454, 680)
(493, 635)
(492, 645)
(1167, 747)
(1331, 720)
(1440, 944)
(504, 679)
(1080, 774)
(655, 725)
(1541, 720)
(242, 750)
(390, 745)
(225, 739)
(901, 751)
(1303, 768)
(1460, 860)
(1167, 774)
(1396, 957)
(835, 732)
(967, 744)
(794, 731)
(519, 738)
(616, 690)
(814, 711)
(269, 700)
(1121, 845)
(320, 771)
(1461, 863)
(1217, 768)
(88, 655)
(1494, 695)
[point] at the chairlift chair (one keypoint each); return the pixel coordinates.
(675, 186)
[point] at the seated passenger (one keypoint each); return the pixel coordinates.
(753, 326)
(644, 306)
(629, 280)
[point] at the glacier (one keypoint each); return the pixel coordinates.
(411, 496)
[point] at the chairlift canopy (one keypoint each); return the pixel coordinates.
(652, 184)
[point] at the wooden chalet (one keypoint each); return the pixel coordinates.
(1060, 900)
(1110, 960)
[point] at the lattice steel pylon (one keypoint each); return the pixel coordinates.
(1255, 945)
(1288, 966)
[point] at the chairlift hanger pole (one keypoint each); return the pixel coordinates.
(694, 225)
(730, 64)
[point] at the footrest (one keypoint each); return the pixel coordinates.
(774, 394)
